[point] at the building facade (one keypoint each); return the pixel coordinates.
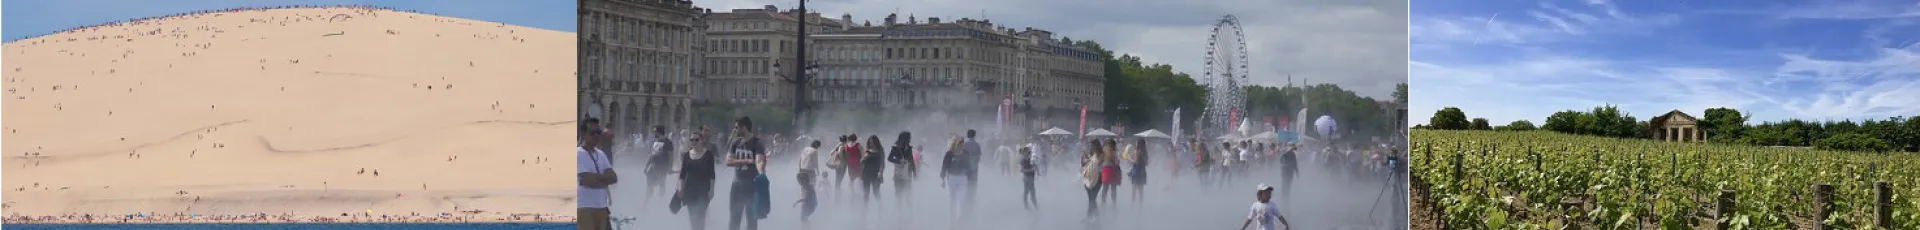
(752, 55)
(966, 67)
(637, 62)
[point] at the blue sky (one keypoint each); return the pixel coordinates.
(1816, 60)
(39, 17)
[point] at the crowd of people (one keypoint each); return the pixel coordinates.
(369, 217)
(138, 21)
(861, 162)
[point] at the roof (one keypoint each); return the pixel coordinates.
(1676, 112)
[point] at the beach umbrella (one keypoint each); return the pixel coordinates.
(1101, 133)
(1056, 131)
(1267, 137)
(1153, 133)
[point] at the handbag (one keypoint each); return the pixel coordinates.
(673, 205)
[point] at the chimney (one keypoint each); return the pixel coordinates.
(891, 19)
(933, 20)
(912, 20)
(847, 19)
(771, 9)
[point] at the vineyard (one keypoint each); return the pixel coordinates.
(1545, 180)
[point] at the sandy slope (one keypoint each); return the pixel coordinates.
(279, 110)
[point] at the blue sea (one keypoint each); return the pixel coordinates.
(490, 226)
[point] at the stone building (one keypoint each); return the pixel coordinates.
(753, 53)
(965, 67)
(1677, 126)
(637, 62)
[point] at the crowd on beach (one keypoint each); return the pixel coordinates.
(142, 20)
(369, 217)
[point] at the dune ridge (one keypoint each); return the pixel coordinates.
(289, 114)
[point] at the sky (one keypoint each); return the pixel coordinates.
(33, 18)
(1357, 44)
(1507, 60)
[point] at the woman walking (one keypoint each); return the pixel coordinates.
(1090, 177)
(873, 161)
(953, 174)
(1139, 172)
(901, 155)
(1110, 172)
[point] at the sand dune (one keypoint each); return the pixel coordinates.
(290, 111)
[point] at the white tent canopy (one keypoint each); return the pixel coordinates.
(1056, 131)
(1268, 136)
(1153, 133)
(1101, 133)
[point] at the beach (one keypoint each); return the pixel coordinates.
(298, 114)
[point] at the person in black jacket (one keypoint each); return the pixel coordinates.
(954, 168)
(873, 162)
(659, 162)
(696, 180)
(901, 155)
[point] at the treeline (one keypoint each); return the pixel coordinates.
(1721, 125)
(1144, 95)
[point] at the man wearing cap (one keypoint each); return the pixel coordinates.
(1264, 213)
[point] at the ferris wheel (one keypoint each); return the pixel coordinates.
(1226, 73)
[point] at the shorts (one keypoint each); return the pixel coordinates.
(1110, 175)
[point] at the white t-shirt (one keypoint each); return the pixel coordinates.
(1246, 155)
(1264, 216)
(592, 161)
(810, 158)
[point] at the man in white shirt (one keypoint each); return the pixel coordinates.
(1264, 214)
(809, 170)
(595, 175)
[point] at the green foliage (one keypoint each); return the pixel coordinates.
(1723, 125)
(1606, 121)
(1524, 180)
(1852, 142)
(1519, 125)
(1147, 91)
(1481, 124)
(1449, 118)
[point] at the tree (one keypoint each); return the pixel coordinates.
(1400, 94)
(1563, 122)
(1519, 125)
(1481, 124)
(1723, 125)
(1852, 142)
(1449, 118)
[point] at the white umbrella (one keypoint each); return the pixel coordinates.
(1268, 136)
(1101, 133)
(1056, 131)
(1153, 133)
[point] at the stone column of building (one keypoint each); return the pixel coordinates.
(634, 54)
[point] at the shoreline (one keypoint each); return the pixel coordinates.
(52, 220)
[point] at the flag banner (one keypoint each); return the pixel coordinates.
(1083, 120)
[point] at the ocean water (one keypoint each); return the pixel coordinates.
(490, 226)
